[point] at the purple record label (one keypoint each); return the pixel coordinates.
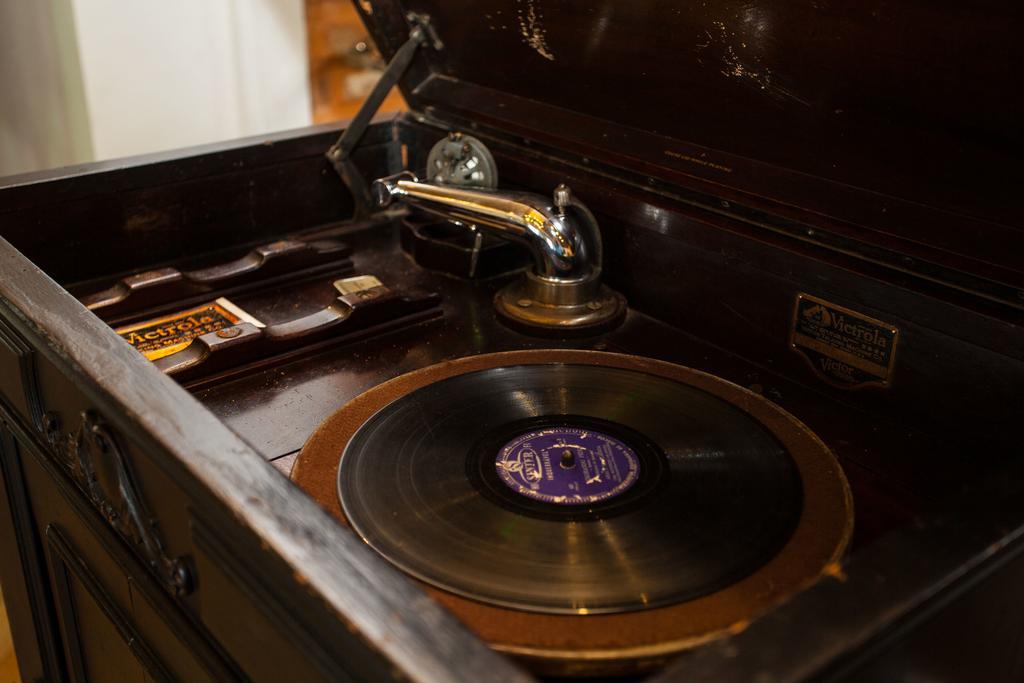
(567, 466)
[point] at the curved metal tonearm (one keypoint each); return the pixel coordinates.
(560, 233)
(564, 290)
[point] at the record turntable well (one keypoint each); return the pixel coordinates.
(586, 512)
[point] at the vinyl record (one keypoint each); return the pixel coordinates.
(585, 511)
(705, 494)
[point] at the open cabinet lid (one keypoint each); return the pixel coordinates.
(898, 124)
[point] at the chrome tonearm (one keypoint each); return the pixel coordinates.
(563, 247)
(563, 290)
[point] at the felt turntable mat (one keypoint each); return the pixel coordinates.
(721, 503)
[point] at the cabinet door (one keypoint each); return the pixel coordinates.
(26, 586)
(114, 621)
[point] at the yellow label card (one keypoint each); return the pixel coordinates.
(171, 333)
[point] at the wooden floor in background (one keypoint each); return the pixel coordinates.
(8, 665)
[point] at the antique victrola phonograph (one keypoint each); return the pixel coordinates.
(660, 342)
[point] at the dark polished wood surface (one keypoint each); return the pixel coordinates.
(184, 209)
(895, 123)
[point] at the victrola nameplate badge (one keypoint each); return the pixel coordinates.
(844, 347)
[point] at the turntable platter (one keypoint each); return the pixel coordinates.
(588, 512)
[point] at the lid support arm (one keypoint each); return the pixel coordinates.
(340, 153)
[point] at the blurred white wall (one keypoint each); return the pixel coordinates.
(43, 119)
(147, 75)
